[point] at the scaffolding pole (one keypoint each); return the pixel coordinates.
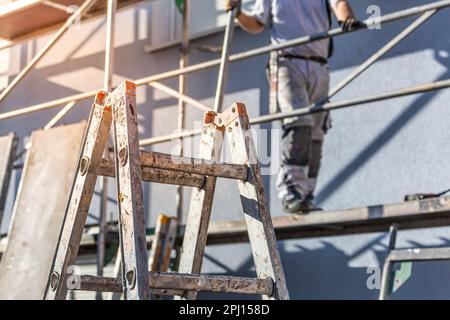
(182, 97)
(109, 50)
(61, 114)
(381, 52)
(223, 69)
(107, 85)
(433, 86)
(86, 6)
(385, 277)
(182, 89)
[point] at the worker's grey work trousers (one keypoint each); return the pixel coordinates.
(300, 84)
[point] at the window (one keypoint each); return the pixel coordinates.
(206, 16)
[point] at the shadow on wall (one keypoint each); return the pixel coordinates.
(429, 280)
(419, 105)
(325, 273)
(308, 274)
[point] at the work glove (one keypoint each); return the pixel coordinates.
(231, 4)
(350, 24)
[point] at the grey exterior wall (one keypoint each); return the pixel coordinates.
(374, 154)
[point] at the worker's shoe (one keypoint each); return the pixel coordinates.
(295, 202)
(311, 204)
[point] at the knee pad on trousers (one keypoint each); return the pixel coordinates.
(296, 146)
(315, 158)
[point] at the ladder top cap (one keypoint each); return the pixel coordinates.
(223, 119)
(100, 98)
(239, 108)
(128, 86)
(163, 219)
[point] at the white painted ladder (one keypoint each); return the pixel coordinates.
(133, 166)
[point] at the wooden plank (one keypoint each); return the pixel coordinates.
(129, 193)
(193, 165)
(162, 244)
(95, 140)
(257, 216)
(22, 17)
(409, 215)
(169, 243)
(199, 213)
(157, 175)
(117, 273)
(39, 211)
(8, 146)
(177, 281)
(154, 260)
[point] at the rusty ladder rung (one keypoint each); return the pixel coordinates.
(181, 282)
(107, 168)
(152, 161)
(194, 165)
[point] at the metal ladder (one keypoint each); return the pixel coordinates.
(131, 167)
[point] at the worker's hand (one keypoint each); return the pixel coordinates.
(350, 24)
(231, 4)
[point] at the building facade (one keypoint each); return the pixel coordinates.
(375, 153)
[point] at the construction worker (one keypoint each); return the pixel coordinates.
(303, 79)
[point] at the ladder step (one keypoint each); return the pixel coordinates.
(105, 284)
(180, 282)
(193, 165)
(106, 168)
